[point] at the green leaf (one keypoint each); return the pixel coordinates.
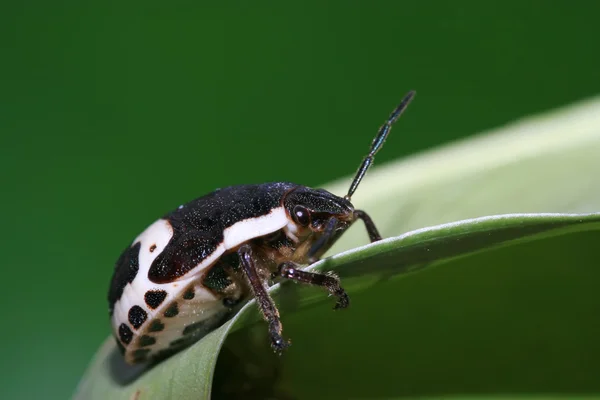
(542, 168)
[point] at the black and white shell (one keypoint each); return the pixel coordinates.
(157, 299)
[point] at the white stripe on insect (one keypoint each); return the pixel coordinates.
(251, 228)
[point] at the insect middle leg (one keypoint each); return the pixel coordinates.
(291, 270)
(265, 302)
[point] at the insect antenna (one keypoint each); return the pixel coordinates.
(382, 134)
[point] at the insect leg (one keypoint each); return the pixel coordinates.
(265, 303)
(290, 270)
(371, 229)
(323, 240)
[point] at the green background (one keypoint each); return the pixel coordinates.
(111, 115)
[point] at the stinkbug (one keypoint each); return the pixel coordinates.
(187, 272)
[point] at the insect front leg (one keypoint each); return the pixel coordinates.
(369, 224)
(291, 270)
(265, 302)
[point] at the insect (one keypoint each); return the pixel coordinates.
(187, 272)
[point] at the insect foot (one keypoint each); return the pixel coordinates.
(343, 300)
(278, 343)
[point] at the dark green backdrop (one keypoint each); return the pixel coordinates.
(112, 115)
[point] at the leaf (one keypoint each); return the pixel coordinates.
(518, 320)
(371, 266)
(189, 372)
(540, 165)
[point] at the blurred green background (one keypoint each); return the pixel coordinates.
(111, 115)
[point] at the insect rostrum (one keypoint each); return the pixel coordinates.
(184, 275)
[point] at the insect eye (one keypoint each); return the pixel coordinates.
(301, 215)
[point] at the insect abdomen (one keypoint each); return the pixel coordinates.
(173, 325)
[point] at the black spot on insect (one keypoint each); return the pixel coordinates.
(152, 248)
(189, 293)
(156, 326)
(154, 298)
(125, 334)
(196, 326)
(140, 355)
(140, 352)
(121, 347)
(179, 342)
(146, 340)
(137, 316)
(126, 268)
(176, 260)
(217, 279)
(172, 311)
